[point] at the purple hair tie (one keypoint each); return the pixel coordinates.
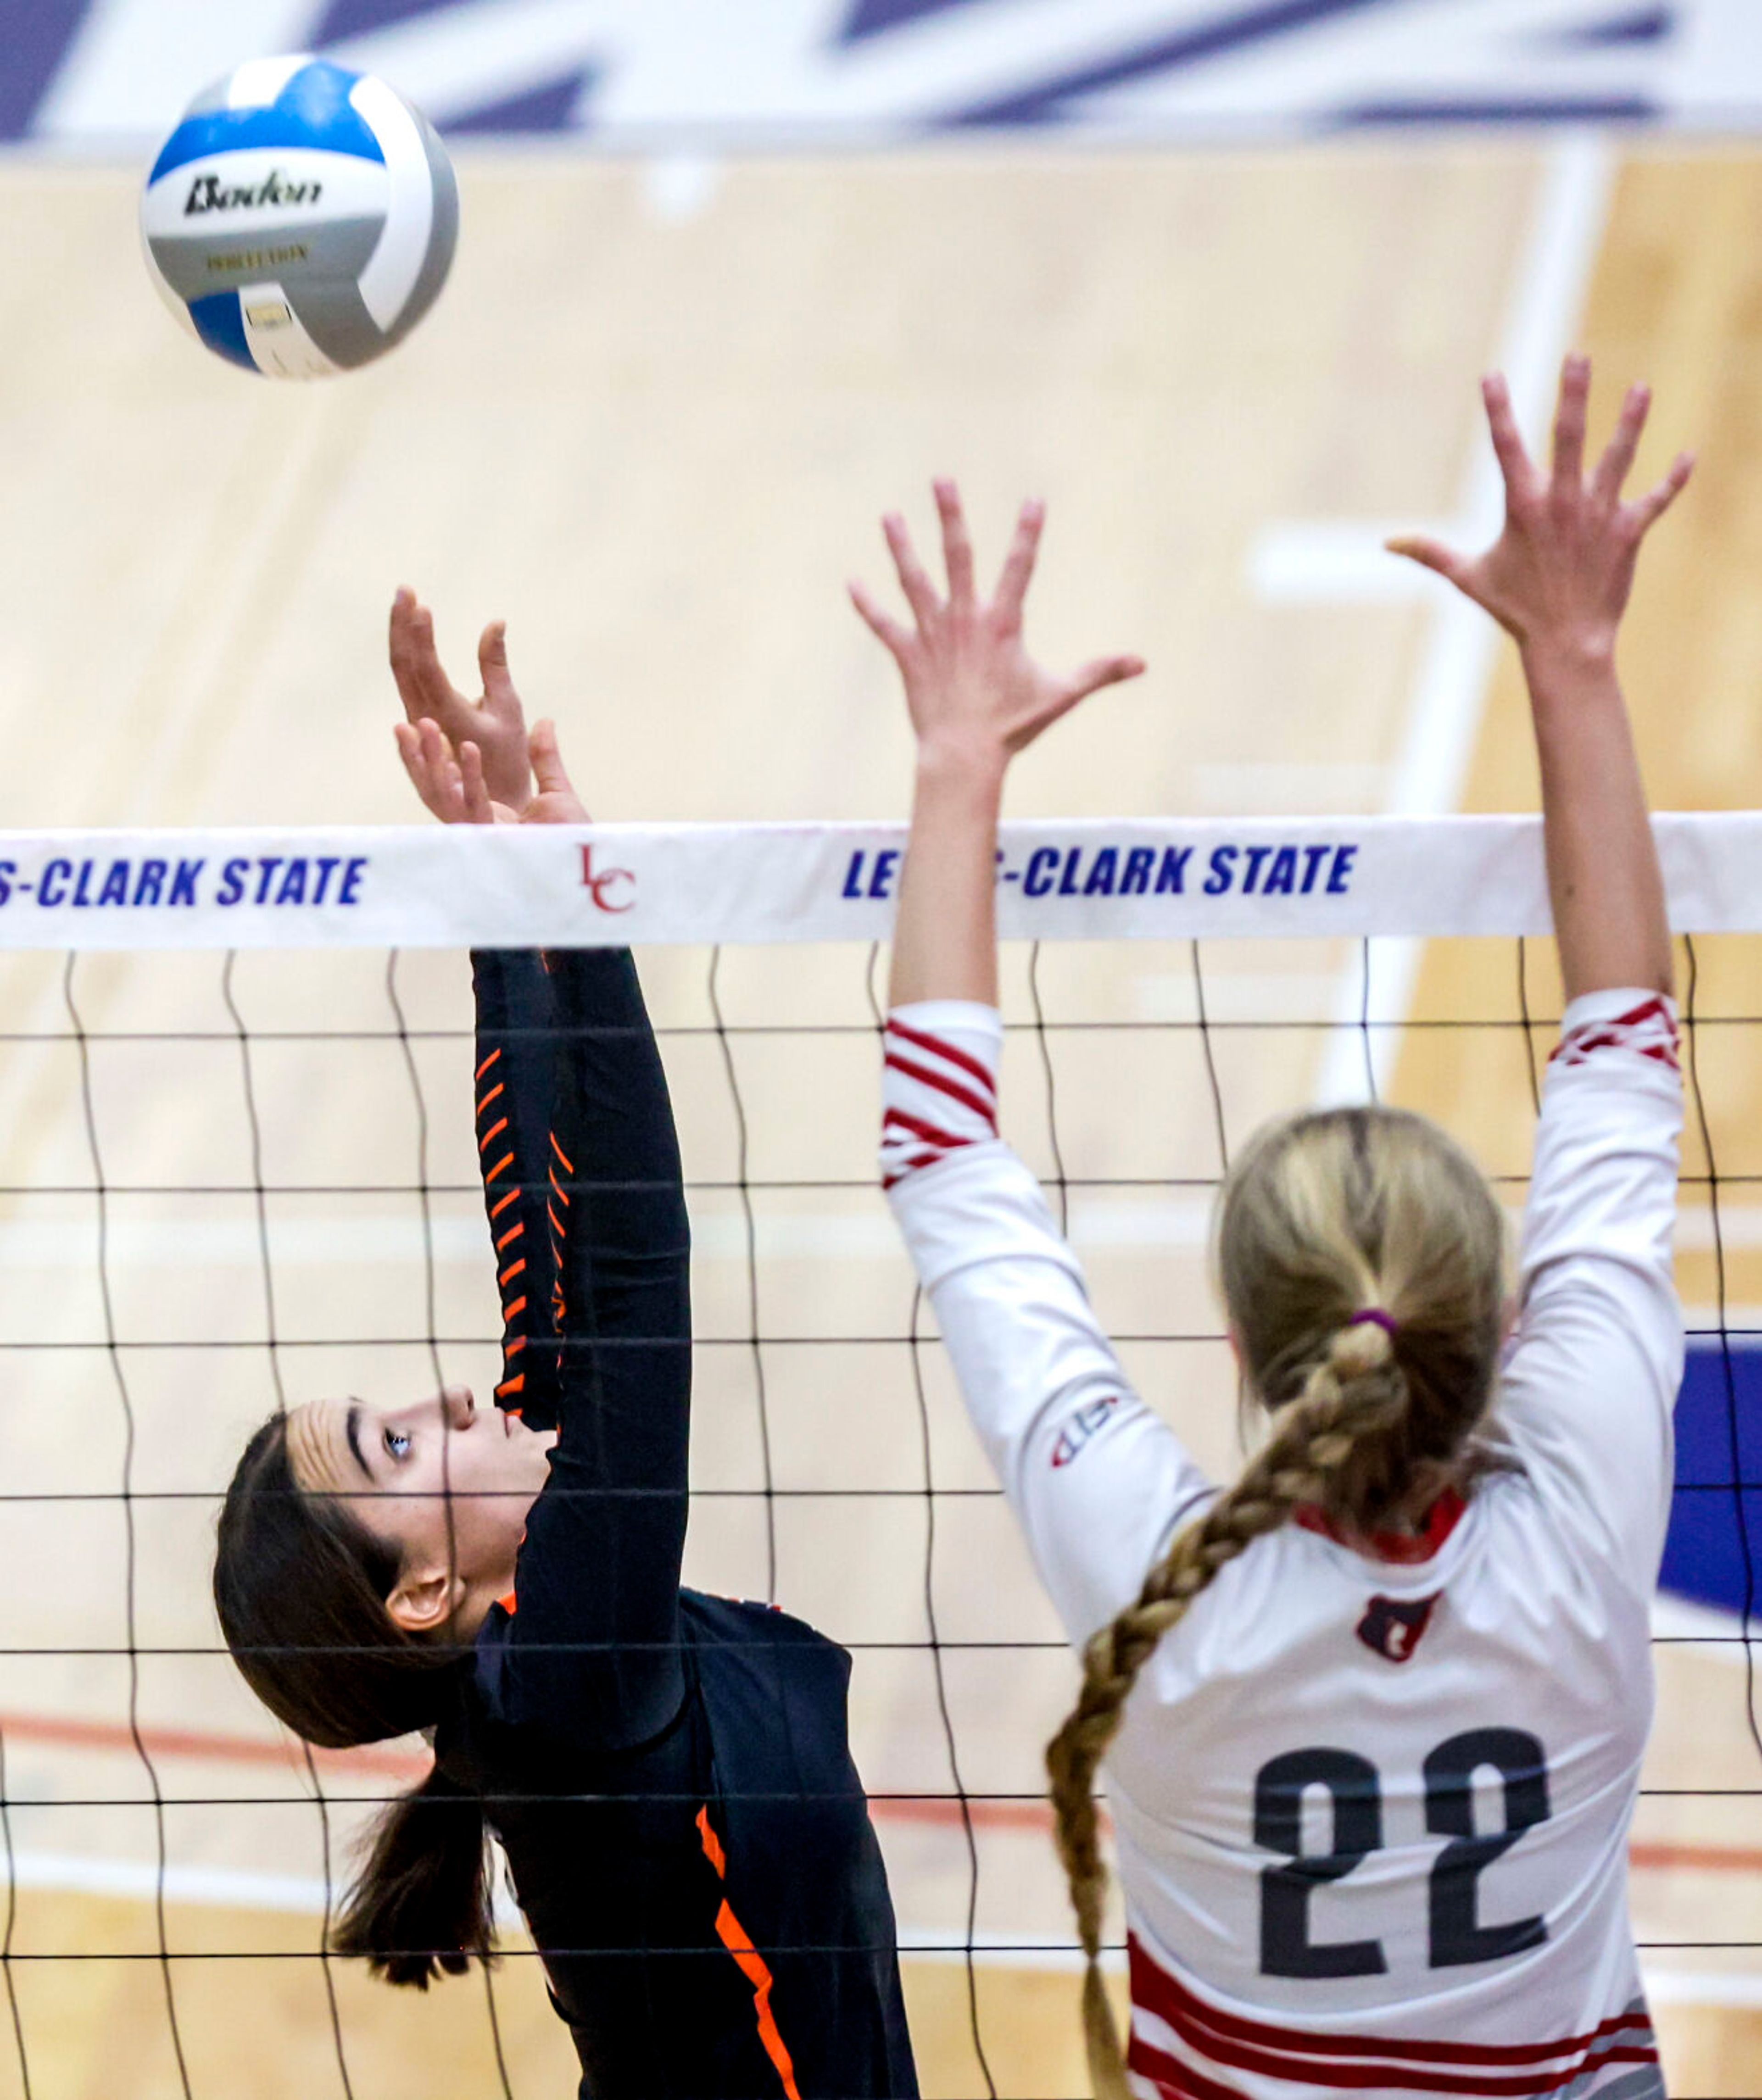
(1377, 1317)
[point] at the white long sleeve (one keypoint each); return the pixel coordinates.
(1098, 1482)
(1589, 1387)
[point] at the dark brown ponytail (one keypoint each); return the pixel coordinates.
(300, 1587)
(421, 1908)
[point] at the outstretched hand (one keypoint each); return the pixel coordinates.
(454, 786)
(495, 723)
(1559, 573)
(970, 684)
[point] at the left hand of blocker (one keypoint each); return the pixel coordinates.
(1559, 575)
(971, 686)
(451, 783)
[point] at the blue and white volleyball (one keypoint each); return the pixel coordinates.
(301, 219)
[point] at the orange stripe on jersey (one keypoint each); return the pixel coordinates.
(517, 1383)
(750, 1962)
(569, 1164)
(514, 1344)
(732, 1934)
(511, 1604)
(501, 1086)
(508, 1311)
(563, 1192)
(494, 1130)
(512, 1196)
(713, 1851)
(506, 1160)
(482, 1067)
(510, 1272)
(513, 1231)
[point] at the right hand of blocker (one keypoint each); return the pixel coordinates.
(1558, 577)
(496, 723)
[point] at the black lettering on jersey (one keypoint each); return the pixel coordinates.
(1393, 1627)
(1355, 1800)
(1458, 1935)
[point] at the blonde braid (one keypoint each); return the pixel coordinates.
(1355, 1394)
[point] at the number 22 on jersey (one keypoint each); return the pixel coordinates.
(1455, 1935)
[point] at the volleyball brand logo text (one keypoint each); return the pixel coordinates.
(206, 194)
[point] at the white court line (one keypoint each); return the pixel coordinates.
(1335, 562)
(1729, 1992)
(303, 1896)
(227, 1888)
(1676, 1618)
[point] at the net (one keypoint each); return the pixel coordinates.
(239, 1172)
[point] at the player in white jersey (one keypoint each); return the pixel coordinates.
(1373, 1717)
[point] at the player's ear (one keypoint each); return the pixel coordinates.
(425, 1600)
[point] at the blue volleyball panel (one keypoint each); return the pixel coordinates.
(1705, 1552)
(220, 323)
(313, 109)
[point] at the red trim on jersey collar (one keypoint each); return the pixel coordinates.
(1404, 1548)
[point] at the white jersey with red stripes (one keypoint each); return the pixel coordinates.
(1372, 1811)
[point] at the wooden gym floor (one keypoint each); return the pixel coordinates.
(654, 429)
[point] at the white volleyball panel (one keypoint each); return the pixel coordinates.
(259, 81)
(277, 340)
(391, 272)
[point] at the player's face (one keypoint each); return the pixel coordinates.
(444, 1483)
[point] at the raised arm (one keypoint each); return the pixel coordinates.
(1095, 1477)
(594, 1637)
(585, 1199)
(1557, 580)
(1587, 1390)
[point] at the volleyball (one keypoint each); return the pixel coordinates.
(301, 219)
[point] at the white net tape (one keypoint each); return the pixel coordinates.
(620, 884)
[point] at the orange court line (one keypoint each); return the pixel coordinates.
(67, 1732)
(1697, 1859)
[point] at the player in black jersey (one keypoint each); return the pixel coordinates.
(669, 1773)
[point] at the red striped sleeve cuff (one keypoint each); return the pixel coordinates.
(938, 1095)
(1647, 1028)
